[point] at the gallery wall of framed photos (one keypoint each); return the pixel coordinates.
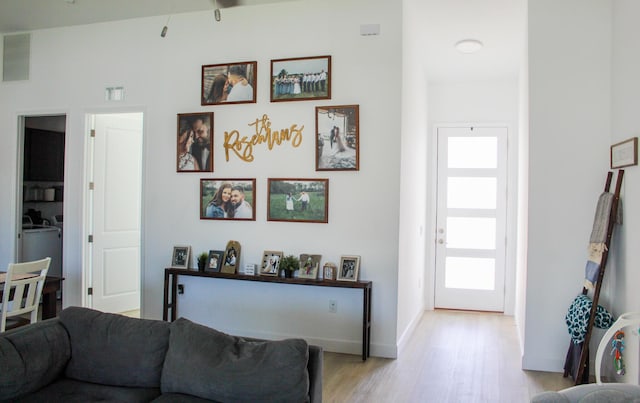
(336, 143)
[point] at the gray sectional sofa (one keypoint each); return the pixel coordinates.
(89, 356)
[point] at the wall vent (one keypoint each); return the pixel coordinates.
(15, 57)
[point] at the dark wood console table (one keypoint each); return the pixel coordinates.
(171, 294)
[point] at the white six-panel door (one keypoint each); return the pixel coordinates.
(471, 218)
(116, 215)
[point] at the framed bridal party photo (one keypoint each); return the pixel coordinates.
(301, 79)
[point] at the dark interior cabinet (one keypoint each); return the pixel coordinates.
(43, 155)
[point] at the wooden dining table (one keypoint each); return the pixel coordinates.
(52, 285)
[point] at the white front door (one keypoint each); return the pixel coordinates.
(471, 218)
(116, 212)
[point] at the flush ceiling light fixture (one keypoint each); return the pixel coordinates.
(469, 45)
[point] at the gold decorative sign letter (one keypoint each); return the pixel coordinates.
(242, 146)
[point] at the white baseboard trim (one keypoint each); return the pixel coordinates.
(406, 335)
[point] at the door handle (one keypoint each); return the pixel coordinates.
(440, 241)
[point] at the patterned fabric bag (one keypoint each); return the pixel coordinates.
(578, 317)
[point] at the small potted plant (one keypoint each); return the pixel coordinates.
(202, 261)
(289, 264)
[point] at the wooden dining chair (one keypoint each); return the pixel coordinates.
(22, 290)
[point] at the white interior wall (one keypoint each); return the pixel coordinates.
(478, 102)
(569, 138)
(622, 276)
(72, 66)
(413, 179)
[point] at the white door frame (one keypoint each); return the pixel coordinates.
(512, 195)
(87, 199)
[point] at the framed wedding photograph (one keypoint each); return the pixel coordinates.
(227, 199)
(195, 142)
(270, 263)
(309, 265)
(301, 79)
(231, 259)
(349, 268)
(298, 200)
(624, 154)
(338, 138)
(231, 83)
(214, 262)
(180, 257)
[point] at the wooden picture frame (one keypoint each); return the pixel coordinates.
(309, 265)
(300, 79)
(329, 271)
(271, 263)
(228, 199)
(624, 154)
(180, 257)
(349, 268)
(214, 261)
(298, 200)
(194, 150)
(338, 138)
(231, 260)
(229, 83)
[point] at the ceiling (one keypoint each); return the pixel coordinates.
(438, 25)
(28, 15)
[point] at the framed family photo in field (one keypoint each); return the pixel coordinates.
(227, 199)
(195, 142)
(301, 79)
(337, 138)
(232, 83)
(298, 200)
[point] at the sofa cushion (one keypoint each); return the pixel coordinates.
(180, 398)
(113, 349)
(32, 357)
(213, 365)
(72, 391)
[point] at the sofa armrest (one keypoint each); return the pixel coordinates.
(32, 357)
(314, 366)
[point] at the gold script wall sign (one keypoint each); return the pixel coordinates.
(242, 146)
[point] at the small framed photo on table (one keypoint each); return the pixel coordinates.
(180, 257)
(270, 263)
(349, 268)
(214, 262)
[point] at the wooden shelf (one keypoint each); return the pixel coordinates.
(170, 305)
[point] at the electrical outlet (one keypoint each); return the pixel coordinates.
(333, 306)
(180, 289)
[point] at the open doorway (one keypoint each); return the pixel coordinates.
(41, 201)
(114, 217)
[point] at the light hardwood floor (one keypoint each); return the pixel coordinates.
(452, 356)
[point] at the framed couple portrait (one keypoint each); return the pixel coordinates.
(231, 83)
(227, 199)
(271, 263)
(338, 138)
(301, 79)
(349, 268)
(231, 258)
(298, 200)
(195, 142)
